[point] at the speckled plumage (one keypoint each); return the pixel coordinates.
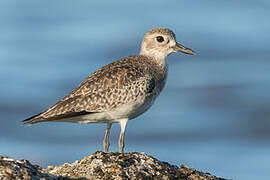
(134, 78)
(119, 91)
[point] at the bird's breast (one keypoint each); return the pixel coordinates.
(133, 109)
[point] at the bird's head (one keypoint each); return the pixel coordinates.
(158, 43)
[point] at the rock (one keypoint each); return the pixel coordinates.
(102, 166)
(21, 169)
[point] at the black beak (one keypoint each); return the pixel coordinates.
(183, 49)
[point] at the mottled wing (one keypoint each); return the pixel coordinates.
(106, 89)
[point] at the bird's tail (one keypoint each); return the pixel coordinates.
(32, 120)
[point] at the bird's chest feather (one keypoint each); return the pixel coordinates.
(133, 109)
(142, 103)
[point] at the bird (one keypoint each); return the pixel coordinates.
(119, 91)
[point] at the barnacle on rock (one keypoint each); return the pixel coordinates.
(105, 166)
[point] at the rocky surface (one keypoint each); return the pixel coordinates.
(20, 169)
(103, 166)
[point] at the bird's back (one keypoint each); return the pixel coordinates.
(132, 80)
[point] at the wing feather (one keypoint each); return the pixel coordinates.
(106, 89)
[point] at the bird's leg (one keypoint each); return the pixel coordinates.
(121, 144)
(106, 143)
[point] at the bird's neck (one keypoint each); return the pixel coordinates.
(158, 57)
(159, 68)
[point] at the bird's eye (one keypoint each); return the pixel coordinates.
(160, 39)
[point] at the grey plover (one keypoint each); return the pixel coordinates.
(119, 91)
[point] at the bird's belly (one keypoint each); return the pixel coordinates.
(130, 111)
(125, 111)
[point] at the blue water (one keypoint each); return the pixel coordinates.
(213, 115)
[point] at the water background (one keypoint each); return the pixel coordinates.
(213, 115)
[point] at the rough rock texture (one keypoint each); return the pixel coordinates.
(102, 165)
(20, 169)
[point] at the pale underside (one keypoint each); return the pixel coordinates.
(125, 111)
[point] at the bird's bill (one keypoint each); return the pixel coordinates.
(183, 49)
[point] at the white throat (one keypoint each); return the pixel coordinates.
(158, 56)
